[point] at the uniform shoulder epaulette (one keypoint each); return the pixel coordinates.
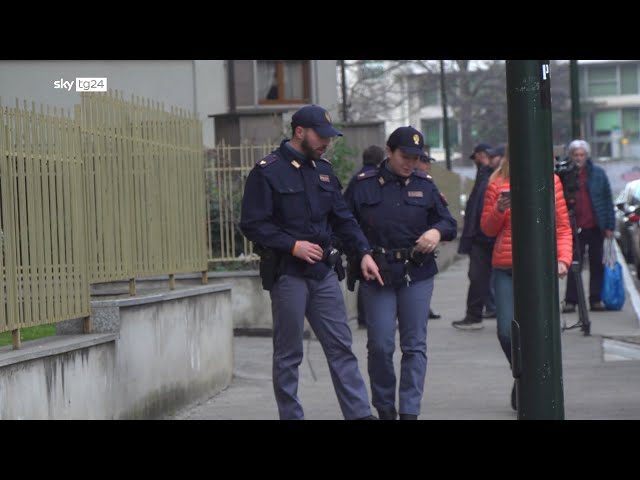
(421, 174)
(367, 174)
(268, 160)
(324, 159)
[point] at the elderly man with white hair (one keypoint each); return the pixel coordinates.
(594, 219)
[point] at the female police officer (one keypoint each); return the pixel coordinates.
(404, 217)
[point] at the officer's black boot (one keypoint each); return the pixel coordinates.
(387, 414)
(408, 416)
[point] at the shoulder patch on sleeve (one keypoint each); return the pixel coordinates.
(367, 174)
(268, 160)
(421, 174)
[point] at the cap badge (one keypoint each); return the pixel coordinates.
(416, 139)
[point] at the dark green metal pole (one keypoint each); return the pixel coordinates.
(445, 117)
(536, 354)
(575, 100)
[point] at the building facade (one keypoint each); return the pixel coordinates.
(610, 107)
(236, 100)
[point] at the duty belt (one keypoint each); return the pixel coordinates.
(394, 254)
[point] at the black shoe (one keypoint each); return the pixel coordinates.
(387, 414)
(569, 307)
(408, 416)
(468, 324)
(489, 314)
(370, 417)
(598, 307)
(433, 314)
(514, 403)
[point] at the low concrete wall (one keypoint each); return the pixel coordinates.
(167, 350)
(251, 305)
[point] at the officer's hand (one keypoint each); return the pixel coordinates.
(307, 251)
(428, 241)
(370, 269)
(563, 269)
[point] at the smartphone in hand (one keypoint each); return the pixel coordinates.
(505, 194)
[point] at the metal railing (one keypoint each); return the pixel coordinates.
(145, 188)
(44, 250)
(226, 171)
(115, 192)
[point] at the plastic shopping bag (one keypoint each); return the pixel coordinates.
(612, 294)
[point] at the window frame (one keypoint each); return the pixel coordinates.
(591, 82)
(306, 84)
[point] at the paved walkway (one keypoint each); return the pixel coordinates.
(467, 374)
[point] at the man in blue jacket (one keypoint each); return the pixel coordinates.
(594, 220)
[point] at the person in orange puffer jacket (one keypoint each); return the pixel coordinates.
(496, 222)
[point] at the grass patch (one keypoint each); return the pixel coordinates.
(31, 333)
(233, 266)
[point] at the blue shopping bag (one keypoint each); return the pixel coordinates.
(612, 294)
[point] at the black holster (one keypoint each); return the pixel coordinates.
(269, 263)
(380, 257)
(333, 258)
(353, 273)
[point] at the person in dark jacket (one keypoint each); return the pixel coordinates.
(404, 218)
(595, 220)
(475, 243)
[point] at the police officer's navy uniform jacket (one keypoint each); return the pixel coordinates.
(394, 212)
(290, 198)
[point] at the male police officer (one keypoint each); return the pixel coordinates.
(291, 206)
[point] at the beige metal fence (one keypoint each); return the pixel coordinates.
(227, 170)
(44, 260)
(144, 182)
(115, 193)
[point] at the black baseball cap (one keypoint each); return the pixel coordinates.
(313, 116)
(481, 147)
(498, 151)
(407, 139)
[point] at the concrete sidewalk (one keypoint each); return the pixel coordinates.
(468, 376)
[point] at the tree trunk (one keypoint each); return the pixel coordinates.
(466, 121)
